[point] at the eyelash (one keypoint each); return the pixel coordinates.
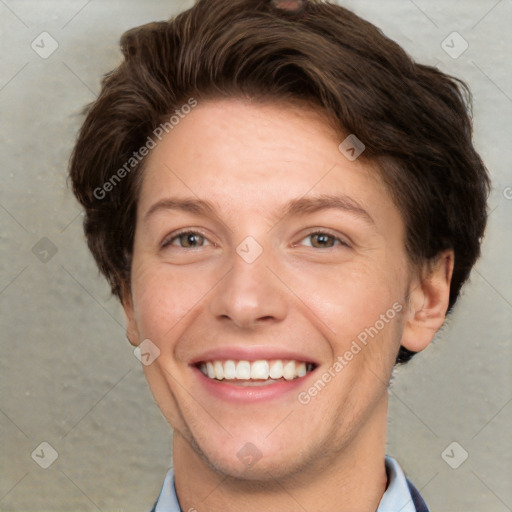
(176, 236)
(331, 235)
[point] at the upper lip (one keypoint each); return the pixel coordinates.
(252, 353)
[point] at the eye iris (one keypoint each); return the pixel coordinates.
(322, 239)
(189, 239)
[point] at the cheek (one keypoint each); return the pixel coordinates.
(348, 298)
(164, 295)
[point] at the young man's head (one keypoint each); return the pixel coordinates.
(286, 205)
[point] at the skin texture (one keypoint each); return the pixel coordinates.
(302, 293)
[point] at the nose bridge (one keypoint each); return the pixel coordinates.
(250, 293)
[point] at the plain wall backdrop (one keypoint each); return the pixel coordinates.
(68, 376)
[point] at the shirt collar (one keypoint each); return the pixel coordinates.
(396, 498)
(167, 501)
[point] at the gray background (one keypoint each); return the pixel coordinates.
(68, 375)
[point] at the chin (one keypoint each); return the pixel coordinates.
(262, 460)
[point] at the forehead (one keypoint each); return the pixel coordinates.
(253, 156)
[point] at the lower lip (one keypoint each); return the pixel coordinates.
(249, 394)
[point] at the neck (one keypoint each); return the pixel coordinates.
(352, 478)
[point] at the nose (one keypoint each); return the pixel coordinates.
(250, 295)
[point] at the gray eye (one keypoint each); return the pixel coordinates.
(190, 240)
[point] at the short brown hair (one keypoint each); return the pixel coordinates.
(413, 119)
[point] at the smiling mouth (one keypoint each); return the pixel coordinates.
(255, 373)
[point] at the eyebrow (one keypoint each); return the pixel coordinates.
(195, 206)
(295, 207)
(308, 205)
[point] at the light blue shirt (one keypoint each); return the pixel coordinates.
(397, 497)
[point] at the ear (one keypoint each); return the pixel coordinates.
(132, 332)
(428, 302)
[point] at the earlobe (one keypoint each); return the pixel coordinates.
(132, 332)
(428, 303)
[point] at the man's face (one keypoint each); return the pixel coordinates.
(266, 275)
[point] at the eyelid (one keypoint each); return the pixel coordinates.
(323, 231)
(167, 241)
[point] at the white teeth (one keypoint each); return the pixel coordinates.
(301, 369)
(289, 370)
(276, 369)
(261, 370)
(209, 369)
(243, 370)
(229, 369)
(218, 369)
